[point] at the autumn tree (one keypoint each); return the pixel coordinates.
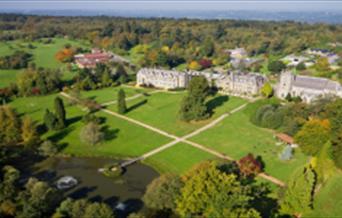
(9, 126)
(91, 134)
(122, 108)
(313, 135)
(29, 133)
(162, 192)
(8, 191)
(298, 197)
(193, 105)
(249, 166)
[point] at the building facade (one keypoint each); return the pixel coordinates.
(234, 83)
(306, 87)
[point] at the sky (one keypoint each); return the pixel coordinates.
(256, 5)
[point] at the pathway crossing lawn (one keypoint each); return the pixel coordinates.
(178, 159)
(236, 137)
(34, 106)
(110, 94)
(7, 77)
(161, 111)
(123, 139)
(328, 201)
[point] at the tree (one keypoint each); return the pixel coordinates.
(50, 120)
(91, 134)
(29, 132)
(194, 65)
(162, 192)
(249, 166)
(276, 66)
(9, 126)
(106, 79)
(322, 64)
(48, 148)
(313, 135)
(298, 197)
(193, 106)
(208, 192)
(98, 210)
(301, 66)
(267, 90)
(37, 200)
(60, 112)
(121, 102)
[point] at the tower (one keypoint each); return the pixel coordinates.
(285, 84)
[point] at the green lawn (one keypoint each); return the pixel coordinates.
(328, 201)
(43, 54)
(110, 94)
(34, 106)
(178, 159)
(161, 111)
(237, 137)
(123, 139)
(7, 77)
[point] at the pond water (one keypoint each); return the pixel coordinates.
(127, 189)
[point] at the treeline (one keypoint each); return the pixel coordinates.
(186, 39)
(18, 60)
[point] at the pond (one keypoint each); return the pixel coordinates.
(127, 189)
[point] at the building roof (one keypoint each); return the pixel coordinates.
(315, 83)
(285, 138)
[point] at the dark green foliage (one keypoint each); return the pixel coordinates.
(276, 66)
(91, 117)
(162, 192)
(193, 105)
(18, 60)
(122, 108)
(70, 208)
(60, 112)
(50, 120)
(268, 116)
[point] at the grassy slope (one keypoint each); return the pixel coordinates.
(161, 111)
(178, 159)
(236, 137)
(328, 201)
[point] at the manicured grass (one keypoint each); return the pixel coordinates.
(123, 139)
(7, 77)
(34, 106)
(178, 159)
(236, 137)
(161, 111)
(110, 94)
(328, 201)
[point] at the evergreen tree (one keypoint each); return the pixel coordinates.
(60, 112)
(121, 102)
(50, 120)
(106, 79)
(91, 134)
(193, 106)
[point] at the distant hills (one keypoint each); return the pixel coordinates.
(332, 17)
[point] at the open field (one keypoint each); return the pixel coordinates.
(178, 159)
(43, 54)
(7, 77)
(237, 137)
(161, 111)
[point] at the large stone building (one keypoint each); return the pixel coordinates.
(306, 87)
(241, 84)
